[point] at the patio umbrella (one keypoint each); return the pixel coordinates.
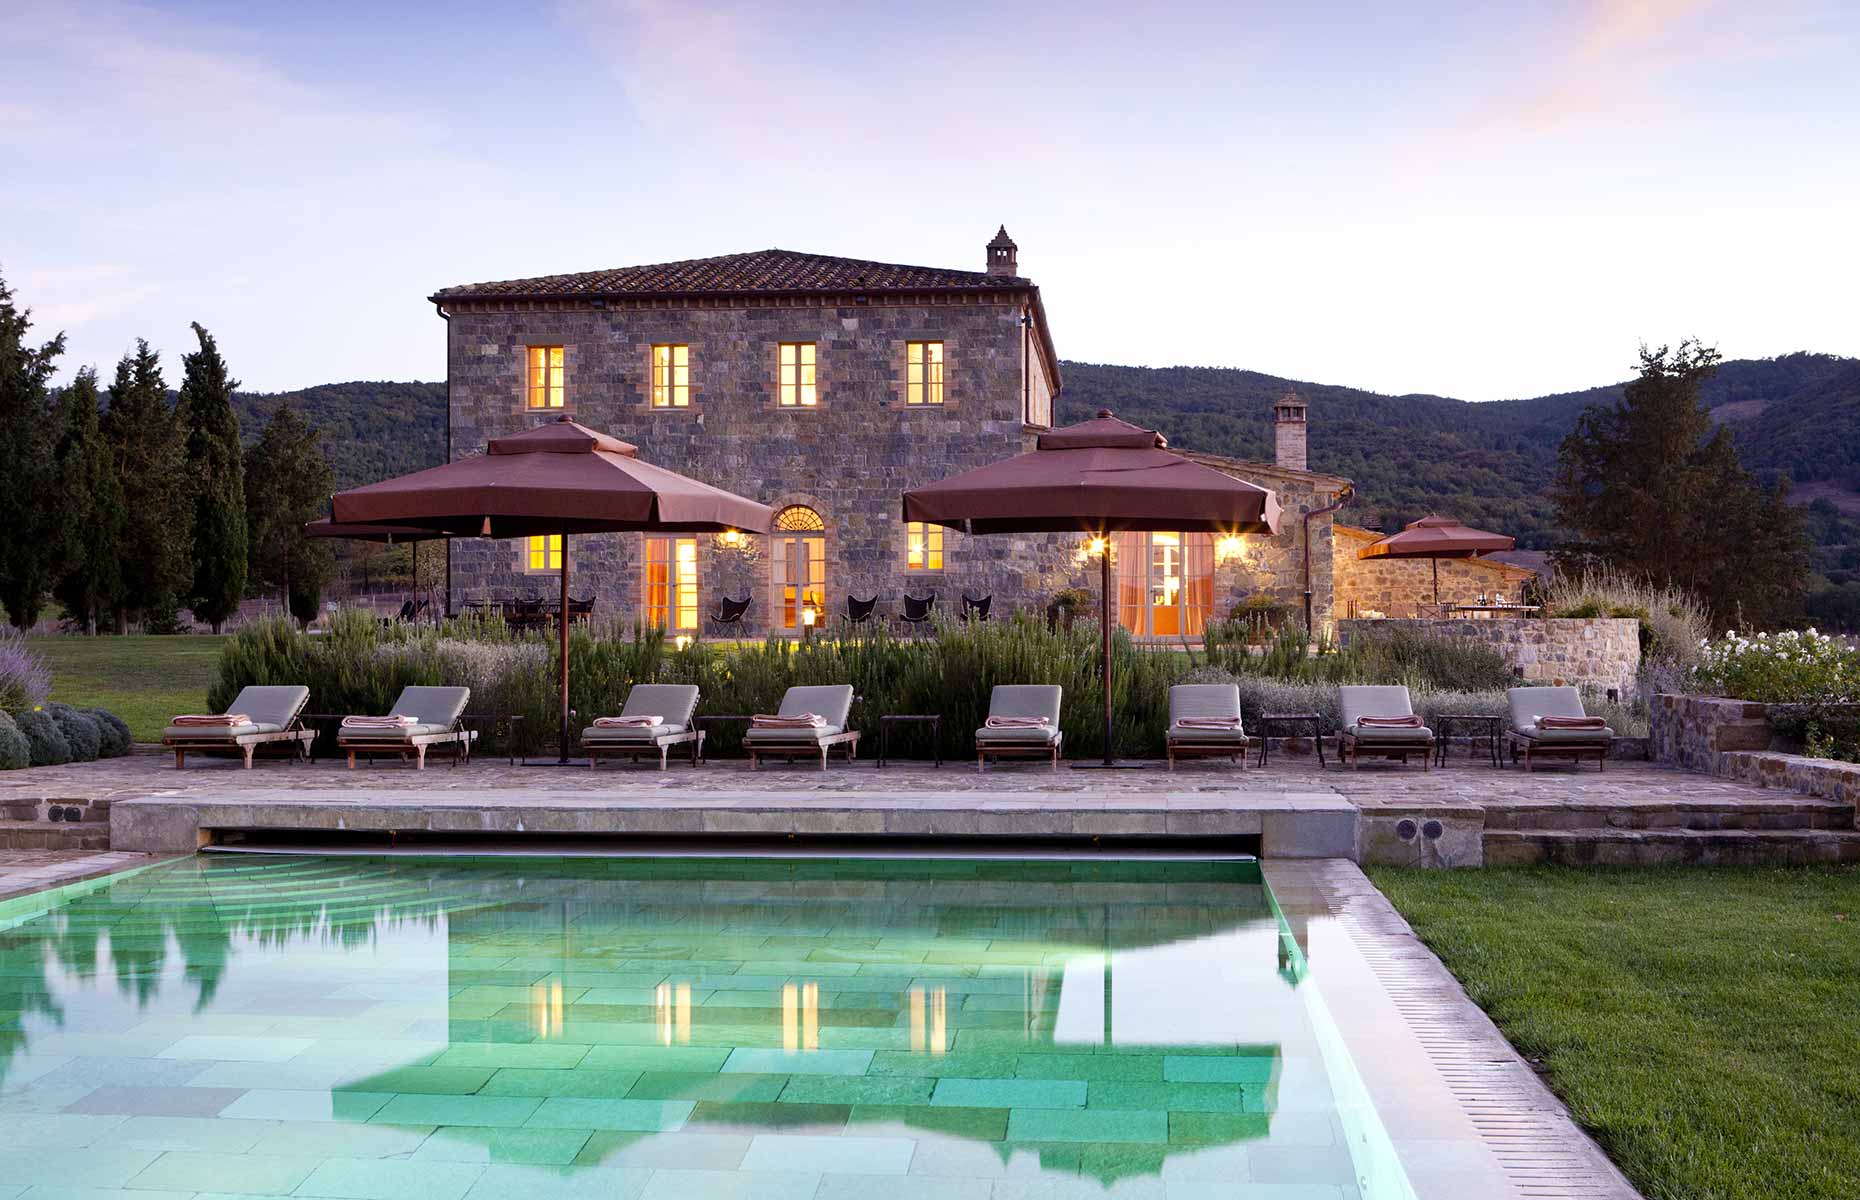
(1436, 538)
(387, 535)
(556, 479)
(1099, 477)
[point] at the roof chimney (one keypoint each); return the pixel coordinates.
(1003, 254)
(1288, 432)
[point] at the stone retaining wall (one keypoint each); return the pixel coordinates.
(1598, 651)
(1732, 740)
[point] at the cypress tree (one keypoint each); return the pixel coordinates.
(298, 481)
(29, 512)
(216, 473)
(90, 576)
(145, 440)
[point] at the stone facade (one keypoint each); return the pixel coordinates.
(1404, 587)
(849, 457)
(1599, 651)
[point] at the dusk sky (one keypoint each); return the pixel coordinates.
(1478, 200)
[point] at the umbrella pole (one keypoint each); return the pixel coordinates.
(1104, 624)
(1436, 563)
(563, 742)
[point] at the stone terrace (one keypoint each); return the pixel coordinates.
(1466, 814)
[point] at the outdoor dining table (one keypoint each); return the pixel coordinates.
(1496, 610)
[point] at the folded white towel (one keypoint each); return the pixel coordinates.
(803, 721)
(212, 719)
(627, 722)
(396, 721)
(1209, 723)
(1016, 723)
(1404, 722)
(1571, 723)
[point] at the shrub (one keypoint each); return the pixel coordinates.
(49, 747)
(81, 731)
(1786, 668)
(25, 680)
(15, 750)
(116, 738)
(1672, 621)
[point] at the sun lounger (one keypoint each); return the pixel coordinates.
(1548, 722)
(1380, 722)
(656, 716)
(272, 716)
(435, 717)
(792, 737)
(1023, 722)
(1204, 722)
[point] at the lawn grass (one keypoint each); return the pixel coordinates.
(142, 679)
(1703, 1023)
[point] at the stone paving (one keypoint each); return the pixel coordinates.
(25, 871)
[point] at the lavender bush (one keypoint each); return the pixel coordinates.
(25, 680)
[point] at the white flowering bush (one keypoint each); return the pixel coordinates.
(1794, 667)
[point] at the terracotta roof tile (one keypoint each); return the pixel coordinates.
(736, 274)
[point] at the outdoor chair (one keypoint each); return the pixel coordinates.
(831, 704)
(1549, 722)
(422, 717)
(1365, 709)
(580, 609)
(858, 611)
(657, 716)
(1204, 722)
(272, 715)
(730, 612)
(973, 609)
(1023, 722)
(917, 610)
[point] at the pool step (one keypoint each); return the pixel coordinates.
(1669, 846)
(54, 835)
(1783, 813)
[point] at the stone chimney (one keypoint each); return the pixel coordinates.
(1288, 432)
(1003, 254)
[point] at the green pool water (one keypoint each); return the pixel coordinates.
(406, 1028)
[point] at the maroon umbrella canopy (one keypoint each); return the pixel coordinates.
(1099, 476)
(556, 478)
(392, 535)
(1436, 537)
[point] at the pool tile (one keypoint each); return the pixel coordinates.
(968, 1066)
(812, 1062)
(1218, 1128)
(656, 1058)
(157, 1101)
(557, 1055)
(848, 1155)
(390, 1179)
(1172, 1097)
(692, 1085)
(581, 1081)
(730, 1185)
(56, 1131)
(513, 1182)
(288, 1105)
(908, 1187)
(97, 1166)
(218, 1048)
(572, 1112)
(456, 1110)
(189, 1133)
(1087, 1125)
(342, 1139)
(1092, 1067)
(54, 1191)
(685, 1149)
(982, 1124)
(437, 1081)
(753, 1118)
(1178, 1068)
(544, 1147)
(256, 1174)
(857, 1089)
(1009, 1093)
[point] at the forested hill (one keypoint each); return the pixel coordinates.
(1489, 464)
(369, 430)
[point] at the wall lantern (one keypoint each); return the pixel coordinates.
(1229, 548)
(682, 641)
(731, 537)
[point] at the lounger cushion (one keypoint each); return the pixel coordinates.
(673, 701)
(424, 729)
(1529, 703)
(217, 733)
(271, 704)
(1217, 737)
(1358, 701)
(1035, 737)
(1419, 733)
(1204, 701)
(763, 737)
(832, 701)
(638, 733)
(1575, 736)
(440, 706)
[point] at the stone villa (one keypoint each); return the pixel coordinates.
(825, 387)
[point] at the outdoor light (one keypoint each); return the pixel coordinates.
(1097, 546)
(808, 615)
(682, 641)
(731, 537)
(1229, 547)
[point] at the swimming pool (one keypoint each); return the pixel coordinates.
(675, 1027)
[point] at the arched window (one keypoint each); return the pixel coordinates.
(799, 567)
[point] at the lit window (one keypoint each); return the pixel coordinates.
(671, 582)
(797, 375)
(546, 377)
(543, 552)
(1165, 583)
(923, 372)
(671, 376)
(923, 546)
